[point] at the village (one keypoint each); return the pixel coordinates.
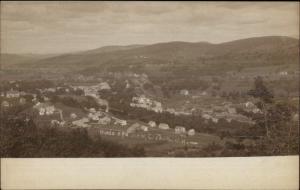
(97, 116)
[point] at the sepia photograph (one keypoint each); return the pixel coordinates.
(101, 79)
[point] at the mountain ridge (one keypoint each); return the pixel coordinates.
(264, 48)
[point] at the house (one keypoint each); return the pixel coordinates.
(157, 107)
(133, 128)
(46, 98)
(171, 110)
(184, 92)
(105, 120)
(146, 103)
(50, 90)
(127, 84)
(44, 108)
(12, 94)
(120, 122)
(94, 116)
(228, 120)
(283, 73)
(256, 110)
(92, 110)
(152, 123)
(144, 128)
(55, 122)
(204, 93)
(73, 116)
(81, 122)
(206, 116)
(104, 86)
(231, 110)
(103, 102)
(295, 117)
(249, 105)
(215, 120)
(163, 126)
(179, 130)
(191, 132)
(193, 143)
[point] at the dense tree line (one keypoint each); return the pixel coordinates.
(22, 138)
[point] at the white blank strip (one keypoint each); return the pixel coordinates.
(151, 173)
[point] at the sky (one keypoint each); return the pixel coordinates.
(60, 27)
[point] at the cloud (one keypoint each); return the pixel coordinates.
(71, 26)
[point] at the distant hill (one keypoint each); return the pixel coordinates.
(107, 49)
(9, 60)
(252, 51)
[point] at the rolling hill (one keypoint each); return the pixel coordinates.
(248, 52)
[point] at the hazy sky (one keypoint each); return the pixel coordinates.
(57, 27)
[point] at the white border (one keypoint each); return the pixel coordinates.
(279, 172)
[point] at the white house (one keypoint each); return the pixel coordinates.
(163, 126)
(44, 108)
(206, 116)
(73, 115)
(193, 143)
(295, 117)
(92, 110)
(103, 102)
(12, 94)
(184, 92)
(144, 128)
(249, 105)
(283, 73)
(94, 116)
(127, 84)
(55, 122)
(104, 86)
(191, 132)
(105, 120)
(215, 120)
(179, 130)
(152, 123)
(146, 103)
(120, 122)
(81, 122)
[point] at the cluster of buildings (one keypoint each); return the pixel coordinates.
(251, 107)
(225, 111)
(148, 132)
(177, 112)
(98, 118)
(146, 103)
(12, 97)
(49, 113)
(93, 89)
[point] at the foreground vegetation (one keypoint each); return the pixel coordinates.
(21, 138)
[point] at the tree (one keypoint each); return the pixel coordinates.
(265, 98)
(282, 134)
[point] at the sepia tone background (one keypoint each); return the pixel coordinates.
(33, 28)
